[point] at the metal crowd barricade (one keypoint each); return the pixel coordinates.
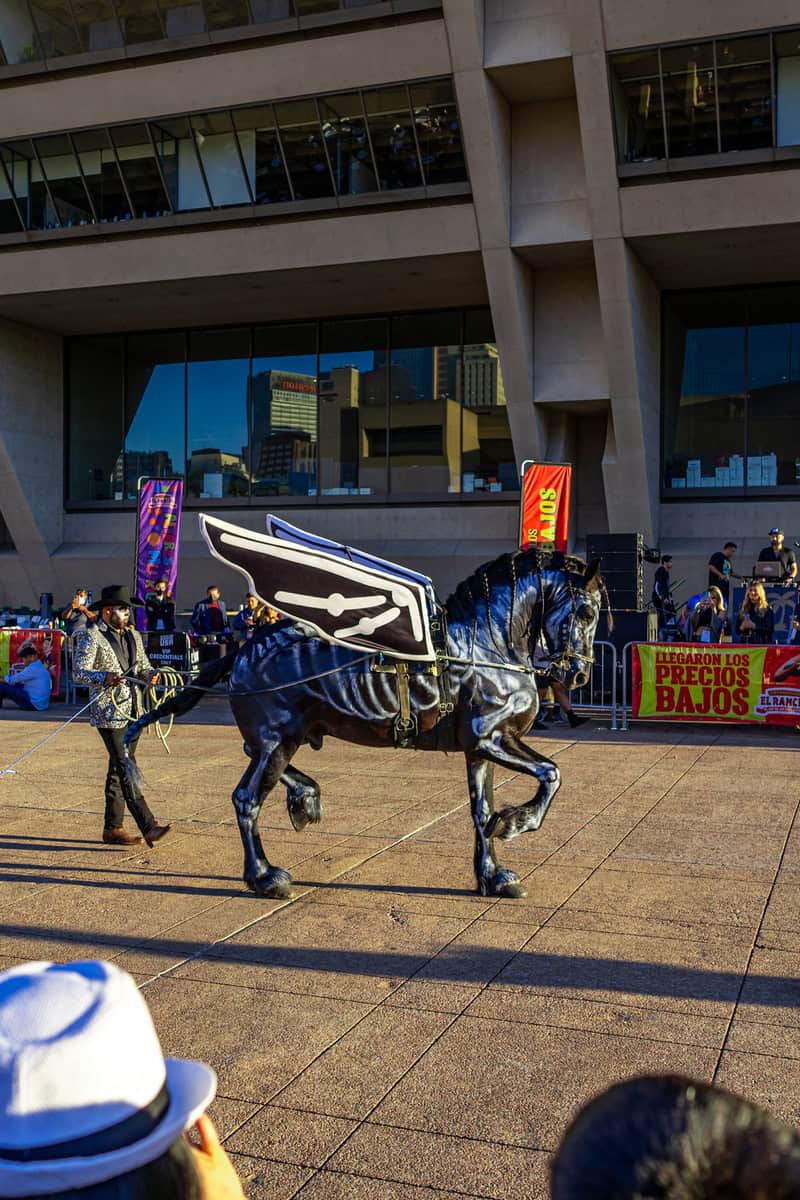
(627, 680)
(599, 695)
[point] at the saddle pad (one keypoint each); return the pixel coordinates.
(345, 602)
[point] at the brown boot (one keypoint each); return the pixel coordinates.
(120, 837)
(156, 833)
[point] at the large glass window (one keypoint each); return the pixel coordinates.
(98, 28)
(64, 179)
(155, 407)
(636, 92)
(402, 406)
(392, 132)
(732, 389)
(263, 156)
(283, 422)
(438, 131)
(744, 82)
(19, 41)
(352, 408)
(140, 21)
(217, 432)
(344, 129)
(14, 184)
(95, 389)
(102, 176)
(690, 99)
(304, 148)
(56, 34)
(224, 158)
(140, 171)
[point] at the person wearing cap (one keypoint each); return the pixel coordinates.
(29, 686)
(110, 660)
(89, 1106)
(777, 552)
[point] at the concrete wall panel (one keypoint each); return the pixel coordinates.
(570, 352)
(630, 23)
(762, 198)
(525, 31)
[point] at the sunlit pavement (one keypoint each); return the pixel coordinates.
(388, 1032)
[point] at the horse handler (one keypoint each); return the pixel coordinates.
(106, 653)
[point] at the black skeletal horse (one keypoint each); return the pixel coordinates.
(288, 687)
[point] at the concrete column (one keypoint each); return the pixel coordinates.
(486, 126)
(31, 439)
(629, 300)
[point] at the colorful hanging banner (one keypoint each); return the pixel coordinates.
(49, 645)
(758, 684)
(544, 517)
(158, 532)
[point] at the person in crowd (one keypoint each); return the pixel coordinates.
(107, 653)
(662, 595)
(794, 625)
(252, 614)
(755, 623)
(720, 569)
(210, 616)
(777, 552)
(675, 1138)
(77, 615)
(89, 1106)
(709, 621)
(159, 609)
(30, 684)
(547, 683)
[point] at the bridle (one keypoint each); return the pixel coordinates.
(561, 660)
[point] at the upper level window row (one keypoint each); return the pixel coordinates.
(319, 148)
(675, 103)
(53, 32)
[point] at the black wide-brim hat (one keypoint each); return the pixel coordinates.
(116, 594)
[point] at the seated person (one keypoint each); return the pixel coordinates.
(159, 609)
(708, 621)
(755, 623)
(673, 1138)
(89, 1108)
(29, 685)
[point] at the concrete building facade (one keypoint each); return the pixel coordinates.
(467, 232)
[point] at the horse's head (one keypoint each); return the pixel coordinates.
(570, 619)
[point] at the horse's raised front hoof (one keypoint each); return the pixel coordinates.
(505, 884)
(304, 811)
(274, 884)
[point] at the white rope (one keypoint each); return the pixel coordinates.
(9, 770)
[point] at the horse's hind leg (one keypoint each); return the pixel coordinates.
(492, 879)
(509, 751)
(263, 772)
(302, 798)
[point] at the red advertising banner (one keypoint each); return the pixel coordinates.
(158, 531)
(751, 684)
(49, 645)
(544, 518)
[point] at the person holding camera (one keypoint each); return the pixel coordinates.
(77, 615)
(708, 620)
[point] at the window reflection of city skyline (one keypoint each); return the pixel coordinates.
(403, 420)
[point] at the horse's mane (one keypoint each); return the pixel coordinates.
(518, 564)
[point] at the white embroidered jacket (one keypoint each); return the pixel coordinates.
(93, 658)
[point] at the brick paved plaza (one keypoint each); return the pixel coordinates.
(388, 1033)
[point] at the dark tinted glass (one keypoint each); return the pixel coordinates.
(31, 189)
(262, 154)
(98, 28)
(283, 438)
(487, 454)
(309, 8)
(221, 158)
(179, 162)
(773, 380)
(704, 390)
(137, 161)
(19, 42)
(14, 182)
(64, 179)
(438, 132)
(305, 154)
(271, 10)
(639, 119)
(226, 14)
(787, 70)
(639, 64)
(219, 374)
(345, 132)
(424, 412)
(102, 176)
(56, 32)
(685, 60)
(95, 382)
(140, 21)
(392, 133)
(352, 408)
(744, 83)
(154, 418)
(690, 100)
(182, 18)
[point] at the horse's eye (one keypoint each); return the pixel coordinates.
(585, 613)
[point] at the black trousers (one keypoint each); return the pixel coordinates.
(119, 789)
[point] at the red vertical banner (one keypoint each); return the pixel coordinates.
(544, 517)
(157, 536)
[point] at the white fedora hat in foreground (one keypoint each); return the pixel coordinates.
(85, 1092)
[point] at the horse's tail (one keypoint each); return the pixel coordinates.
(179, 704)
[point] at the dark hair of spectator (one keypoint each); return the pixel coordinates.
(670, 1138)
(665, 558)
(730, 546)
(172, 1176)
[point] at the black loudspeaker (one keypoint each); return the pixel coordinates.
(629, 626)
(622, 566)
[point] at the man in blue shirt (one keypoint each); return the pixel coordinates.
(31, 683)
